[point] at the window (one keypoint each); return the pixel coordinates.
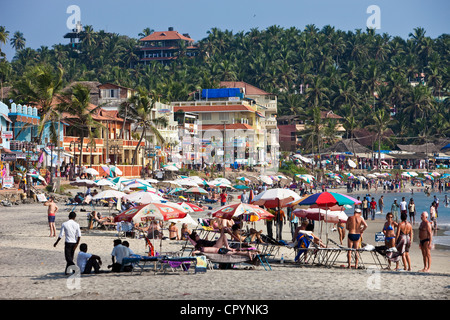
(206, 116)
(110, 93)
(224, 116)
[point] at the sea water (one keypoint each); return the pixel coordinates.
(422, 201)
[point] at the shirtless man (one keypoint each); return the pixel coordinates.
(51, 213)
(355, 226)
(425, 237)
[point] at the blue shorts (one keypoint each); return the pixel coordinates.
(354, 236)
(51, 218)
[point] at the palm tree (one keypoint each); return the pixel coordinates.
(4, 35)
(18, 41)
(76, 102)
(39, 86)
(146, 32)
(138, 109)
(382, 120)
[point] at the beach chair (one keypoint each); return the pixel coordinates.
(134, 261)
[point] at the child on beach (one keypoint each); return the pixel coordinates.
(51, 214)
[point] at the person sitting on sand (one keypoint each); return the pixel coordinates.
(87, 261)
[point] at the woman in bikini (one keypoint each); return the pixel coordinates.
(389, 233)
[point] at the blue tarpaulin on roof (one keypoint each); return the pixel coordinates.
(220, 93)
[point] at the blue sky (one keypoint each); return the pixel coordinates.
(43, 22)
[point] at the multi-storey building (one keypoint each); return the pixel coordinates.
(165, 46)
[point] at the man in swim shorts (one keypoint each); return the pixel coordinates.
(355, 226)
(425, 237)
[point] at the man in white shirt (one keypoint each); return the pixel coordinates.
(403, 206)
(72, 234)
(244, 197)
(119, 252)
(87, 261)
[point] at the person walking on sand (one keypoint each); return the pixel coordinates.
(51, 214)
(404, 236)
(355, 226)
(381, 204)
(72, 235)
(425, 238)
(412, 211)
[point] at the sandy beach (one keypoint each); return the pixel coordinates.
(33, 269)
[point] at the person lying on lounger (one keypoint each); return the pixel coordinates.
(103, 221)
(253, 235)
(220, 246)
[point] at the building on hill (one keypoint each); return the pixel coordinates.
(291, 127)
(166, 46)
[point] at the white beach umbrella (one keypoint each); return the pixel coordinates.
(275, 197)
(351, 163)
(91, 171)
(266, 179)
(109, 194)
(144, 197)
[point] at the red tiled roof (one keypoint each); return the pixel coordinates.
(249, 89)
(214, 108)
(166, 35)
(231, 126)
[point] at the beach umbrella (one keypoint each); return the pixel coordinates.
(351, 163)
(186, 182)
(196, 190)
(241, 187)
(91, 171)
(435, 174)
(144, 197)
(372, 176)
(151, 211)
(318, 214)
(109, 194)
(188, 220)
(361, 178)
(151, 181)
(105, 183)
(83, 183)
(445, 175)
(220, 180)
(134, 181)
(116, 170)
(170, 183)
(243, 179)
(170, 167)
(266, 179)
(429, 177)
(276, 197)
(238, 209)
(106, 170)
(177, 190)
(326, 200)
(190, 207)
(350, 175)
(306, 177)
